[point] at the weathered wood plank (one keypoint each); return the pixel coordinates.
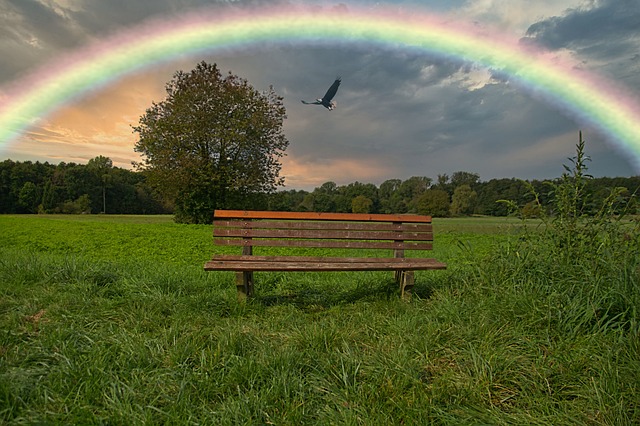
(375, 226)
(416, 264)
(322, 234)
(406, 282)
(388, 245)
(324, 259)
(362, 217)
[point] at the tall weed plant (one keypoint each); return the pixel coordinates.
(581, 251)
(569, 281)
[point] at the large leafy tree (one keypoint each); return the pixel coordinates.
(212, 143)
(463, 201)
(434, 202)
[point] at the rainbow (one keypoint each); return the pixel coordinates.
(590, 100)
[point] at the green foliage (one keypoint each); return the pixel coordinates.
(29, 197)
(579, 224)
(290, 200)
(214, 142)
(124, 191)
(461, 178)
(531, 210)
(360, 191)
(390, 199)
(434, 202)
(361, 204)
(49, 200)
(101, 167)
(587, 262)
(412, 189)
(463, 201)
(322, 199)
(80, 206)
(27, 187)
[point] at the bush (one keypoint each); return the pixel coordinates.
(80, 206)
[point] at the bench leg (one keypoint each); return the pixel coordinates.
(406, 280)
(244, 284)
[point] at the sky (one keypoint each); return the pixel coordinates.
(400, 113)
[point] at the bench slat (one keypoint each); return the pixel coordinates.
(355, 226)
(323, 259)
(409, 265)
(362, 217)
(388, 245)
(322, 234)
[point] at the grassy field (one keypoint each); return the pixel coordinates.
(111, 320)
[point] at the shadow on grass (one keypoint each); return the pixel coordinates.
(313, 298)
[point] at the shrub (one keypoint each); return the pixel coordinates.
(80, 206)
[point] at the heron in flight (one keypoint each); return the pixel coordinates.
(326, 100)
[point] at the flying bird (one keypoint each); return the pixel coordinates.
(326, 100)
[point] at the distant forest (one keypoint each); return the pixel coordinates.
(98, 187)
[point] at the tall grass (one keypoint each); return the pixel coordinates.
(588, 262)
(572, 279)
(516, 331)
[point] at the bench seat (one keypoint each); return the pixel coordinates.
(319, 263)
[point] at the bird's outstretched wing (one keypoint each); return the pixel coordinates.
(332, 90)
(311, 103)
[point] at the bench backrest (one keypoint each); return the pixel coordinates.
(398, 232)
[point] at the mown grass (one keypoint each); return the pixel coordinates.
(113, 321)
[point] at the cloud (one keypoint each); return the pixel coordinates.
(99, 123)
(40, 25)
(510, 16)
(604, 36)
(609, 29)
(32, 32)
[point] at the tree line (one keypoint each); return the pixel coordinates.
(461, 194)
(99, 187)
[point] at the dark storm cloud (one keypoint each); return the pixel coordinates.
(106, 16)
(31, 32)
(605, 36)
(39, 24)
(607, 30)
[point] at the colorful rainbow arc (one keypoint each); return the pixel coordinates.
(589, 99)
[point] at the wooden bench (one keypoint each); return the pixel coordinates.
(394, 233)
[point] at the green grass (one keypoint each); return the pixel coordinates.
(117, 238)
(111, 320)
